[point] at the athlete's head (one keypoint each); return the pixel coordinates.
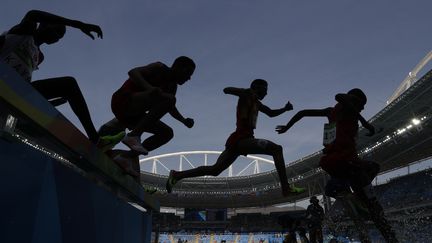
(259, 87)
(359, 98)
(50, 33)
(183, 68)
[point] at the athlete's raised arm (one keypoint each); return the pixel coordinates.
(303, 113)
(28, 24)
(234, 91)
(275, 112)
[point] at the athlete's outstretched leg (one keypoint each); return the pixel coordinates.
(111, 127)
(361, 176)
(340, 189)
(263, 146)
(67, 87)
(376, 213)
(223, 162)
(349, 204)
(162, 134)
(225, 159)
(156, 104)
(277, 153)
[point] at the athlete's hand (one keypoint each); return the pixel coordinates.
(89, 28)
(189, 122)
(281, 129)
(288, 106)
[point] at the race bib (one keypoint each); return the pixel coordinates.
(329, 133)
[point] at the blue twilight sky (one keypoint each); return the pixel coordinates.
(307, 50)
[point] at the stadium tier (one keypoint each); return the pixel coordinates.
(407, 201)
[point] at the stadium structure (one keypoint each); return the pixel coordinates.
(64, 184)
(403, 139)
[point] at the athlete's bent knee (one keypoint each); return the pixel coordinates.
(70, 86)
(167, 133)
(275, 148)
(215, 171)
(69, 82)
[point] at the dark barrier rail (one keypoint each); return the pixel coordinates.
(56, 186)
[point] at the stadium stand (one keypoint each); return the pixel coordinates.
(407, 200)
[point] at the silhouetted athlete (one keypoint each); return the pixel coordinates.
(20, 49)
(242, 141)
(314, 218)
(143, 100)
(340, 158)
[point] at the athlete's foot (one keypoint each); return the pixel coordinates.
(297, 190)
(134, 143)
(170, 182)
(290, 190)
(108, 142)
(126, 164)
(150, 190)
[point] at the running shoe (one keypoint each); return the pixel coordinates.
(297, 190)
(108, 142)
(170, 182)
(289, 190)
(150, 191)
(134, 143)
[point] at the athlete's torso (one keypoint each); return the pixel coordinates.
(158, 75)
(21, 53)
(247, 111)
(346, 128)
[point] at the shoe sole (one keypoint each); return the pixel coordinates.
(135, 150)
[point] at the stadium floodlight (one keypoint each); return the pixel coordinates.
(415, 121)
